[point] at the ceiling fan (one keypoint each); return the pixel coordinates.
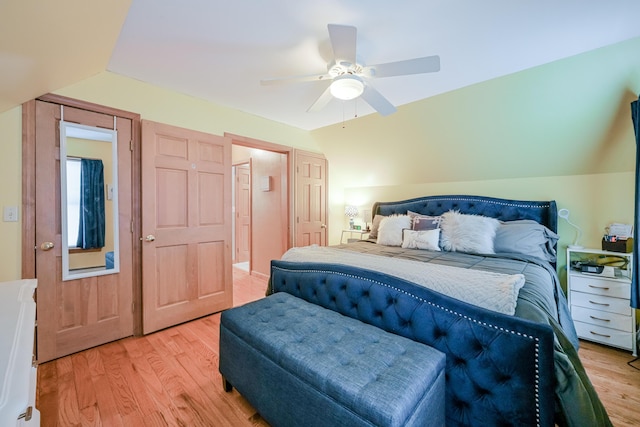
(347, 79)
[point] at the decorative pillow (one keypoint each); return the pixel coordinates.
(526, 237)
(425, 222)
(390, 231)
(424, 239)
(468, 233)
(375, 224)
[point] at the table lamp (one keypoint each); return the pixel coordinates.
(564, 214)
(352, 212)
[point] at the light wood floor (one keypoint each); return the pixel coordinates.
(170, 378)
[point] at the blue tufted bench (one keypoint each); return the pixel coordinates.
(301, 364)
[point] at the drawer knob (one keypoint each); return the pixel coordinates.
(599, 287)
(601, 335)
(599, 303)
(598, 318)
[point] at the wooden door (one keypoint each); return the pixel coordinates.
(74, 315)
(311, 199)
(243, 212)
(186, 225)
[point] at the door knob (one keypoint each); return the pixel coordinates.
(150, 238)
(323, 226)
(47, 246)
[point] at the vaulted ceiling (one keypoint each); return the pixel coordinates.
(220, 50)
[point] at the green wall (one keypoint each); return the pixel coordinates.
(560, 131)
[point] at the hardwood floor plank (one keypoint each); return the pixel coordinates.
(115, 361)
(47, 395)
(158, 405)
(194, 396)
(171, 378)
(68, 411)
(107, 405)
(82, 378)
(181, 413)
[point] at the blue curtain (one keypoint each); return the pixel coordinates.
(92, 215)
(635, 283)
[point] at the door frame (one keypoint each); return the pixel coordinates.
(276, 148)
(29, 190)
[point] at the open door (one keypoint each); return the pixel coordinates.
(186, 225)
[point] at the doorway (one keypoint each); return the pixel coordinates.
(263, 188)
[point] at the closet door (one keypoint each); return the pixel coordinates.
(77, 314)
(186, 225)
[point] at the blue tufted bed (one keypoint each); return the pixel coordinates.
(518, 369)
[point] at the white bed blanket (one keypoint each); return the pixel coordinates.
(494, 291)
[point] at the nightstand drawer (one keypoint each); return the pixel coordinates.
(619, 288)
(602, 318)
(602, 303)
(604, 335)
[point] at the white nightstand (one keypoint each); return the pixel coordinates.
(359, 233)
(600, 305)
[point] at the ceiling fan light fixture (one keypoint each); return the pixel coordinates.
(347, 86)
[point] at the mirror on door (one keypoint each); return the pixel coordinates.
(89, 201)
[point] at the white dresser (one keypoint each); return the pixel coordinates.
(600, 305)
(17, 367)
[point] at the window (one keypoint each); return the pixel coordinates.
(73, 201)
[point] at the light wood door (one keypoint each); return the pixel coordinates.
(311, 199)
(74, 315)
(186, 225)
(243, 212)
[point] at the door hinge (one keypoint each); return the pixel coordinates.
(133, 307)
(131, 226)
(131, 145)
(298, 219)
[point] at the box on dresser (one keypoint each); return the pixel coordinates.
(600, 302)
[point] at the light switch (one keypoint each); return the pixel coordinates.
(10, 214)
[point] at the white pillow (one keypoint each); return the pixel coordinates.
(468, 233)
(390, 230)
(424, 239)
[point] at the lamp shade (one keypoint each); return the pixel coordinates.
(351, 211)
(347, 86)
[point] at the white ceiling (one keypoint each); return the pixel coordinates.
(220, 50)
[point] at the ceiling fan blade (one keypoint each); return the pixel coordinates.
(295, 79)
(343, 42)
(377, 101)
(428, 64)
(322, 100)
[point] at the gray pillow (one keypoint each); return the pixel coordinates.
(526, 237)
(375, 224)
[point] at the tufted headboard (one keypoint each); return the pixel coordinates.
(499, 368)
(543, 212)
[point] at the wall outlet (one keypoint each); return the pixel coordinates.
(10, 214)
